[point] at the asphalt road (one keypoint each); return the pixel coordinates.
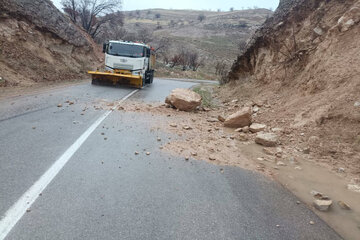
(104, 191)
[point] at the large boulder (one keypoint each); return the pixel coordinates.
(239, 119)
(266, 139)
(183, 99)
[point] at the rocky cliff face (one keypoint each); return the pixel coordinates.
(304, 63)
(298, 32)
(38, 43)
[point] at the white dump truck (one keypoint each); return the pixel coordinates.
(126, 63)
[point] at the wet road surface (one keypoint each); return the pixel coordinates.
(104, 191)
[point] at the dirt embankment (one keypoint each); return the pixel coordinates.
(304, 65)
(38, 44)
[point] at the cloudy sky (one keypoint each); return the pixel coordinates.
(193, 4)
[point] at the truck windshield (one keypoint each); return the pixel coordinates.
(126, 50)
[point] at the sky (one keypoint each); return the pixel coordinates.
(224, 5)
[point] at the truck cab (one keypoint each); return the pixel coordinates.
(126, 63)
(130, 58)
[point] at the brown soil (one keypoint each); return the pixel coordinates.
(42, 46)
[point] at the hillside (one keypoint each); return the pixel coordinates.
(304, 64)
(39, 44)
(216, 37)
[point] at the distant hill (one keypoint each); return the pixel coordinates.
(216, 37)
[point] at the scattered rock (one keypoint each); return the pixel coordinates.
(102, 133)
(341, 170)
(322, 205)
(344, 205)
(245, 129)
(193, 154)
(260, 159)
(158, 139)
(212, 120)
(277, 129)
(280, 163)
(59, 105)
(186, 158)
(306, 151)
(257, 127)
(349, 19)
(184, 99)
(298, 202)
(173, 125)
(298, 168)
(238, 130)
(354, 187)
(243, 137)
(318, 31)
(241, 118)
(33, 127)
(357, 104)
(71, 103)
(187, 128)
(255, 109)
(312, 222)
(136, 153)
(269, 151)
(221, 118)
(314, 140)
(148, 153)
(266, 139)
(316, 194)
(28, 210)
(212, 158)
(279, 152)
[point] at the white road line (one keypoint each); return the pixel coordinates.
(16, 211)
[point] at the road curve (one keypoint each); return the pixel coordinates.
(104, 191)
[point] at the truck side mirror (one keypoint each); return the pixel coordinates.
(104, 47)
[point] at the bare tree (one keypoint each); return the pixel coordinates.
(92, 13)
(145, 35)
(176, 60)
(130, 36)
(187, 59)
(158, 15)
(162, 45)
(231, 9)
(166, 57)
(71, 8)
(194, 61)
(112, 27)
(201, 17)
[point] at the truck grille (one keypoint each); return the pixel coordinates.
(123, 66)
